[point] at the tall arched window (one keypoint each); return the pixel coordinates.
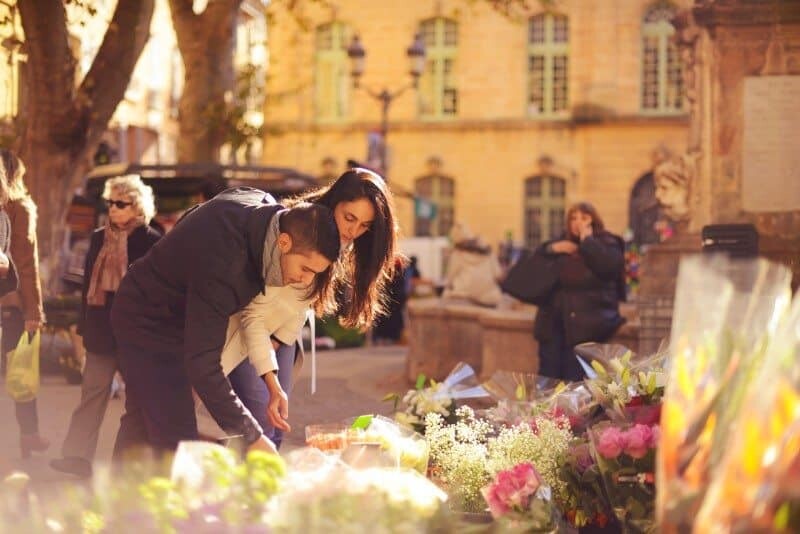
(544, 209)
(662, 79)
(331, 80)
(440, 190)
(438, 94)
(548, 64)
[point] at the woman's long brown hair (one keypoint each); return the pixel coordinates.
(366, 268)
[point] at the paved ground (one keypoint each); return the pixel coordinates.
(350, 382)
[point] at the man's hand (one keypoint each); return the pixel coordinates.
(278, 407)
(263, 444)
(564, 247)
(32, 325)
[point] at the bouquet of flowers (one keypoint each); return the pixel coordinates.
(628, 390)
(439, 397)
(408, 449)
(458, 457)
(725, 314)
(209, 490)
(323, 495)
(466, 456)
(625, 456)
(584, 501)
(519, 500)
(521, 397)
(755, 488)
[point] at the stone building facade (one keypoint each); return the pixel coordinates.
(520, 115)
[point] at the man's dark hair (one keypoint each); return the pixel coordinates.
(313, 229)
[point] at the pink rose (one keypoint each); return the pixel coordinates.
(611, 442)
(639, 438)
(512, 489)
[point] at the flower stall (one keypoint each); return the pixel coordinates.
(702, 437)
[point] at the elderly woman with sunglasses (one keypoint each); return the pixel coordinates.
(126, 237)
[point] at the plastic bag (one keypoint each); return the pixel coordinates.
(22, 377)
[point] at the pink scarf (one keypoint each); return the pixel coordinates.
(111, 263)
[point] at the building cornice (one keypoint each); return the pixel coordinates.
(711, 13)
(464, 125)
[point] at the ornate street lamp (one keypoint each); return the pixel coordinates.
(357, 55)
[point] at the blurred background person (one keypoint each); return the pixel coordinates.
(584, 305)
(126, 237)
(473, 272)
(388, 328)
(22, 310)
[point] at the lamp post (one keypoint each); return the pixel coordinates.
(357, 55)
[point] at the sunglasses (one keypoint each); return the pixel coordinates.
(118, 203)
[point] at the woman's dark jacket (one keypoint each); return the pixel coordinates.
(94, 323)
(590, 286)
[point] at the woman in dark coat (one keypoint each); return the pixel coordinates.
(126, 237)
(585, 303)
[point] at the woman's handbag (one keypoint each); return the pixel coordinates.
(533, 278)
(22, 375)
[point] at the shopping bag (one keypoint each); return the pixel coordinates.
(22, 374)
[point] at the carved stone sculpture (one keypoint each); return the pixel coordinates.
(673, 180)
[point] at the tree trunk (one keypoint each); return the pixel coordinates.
(65, 122)
(206, 42)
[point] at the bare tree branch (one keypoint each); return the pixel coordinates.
(104, 85)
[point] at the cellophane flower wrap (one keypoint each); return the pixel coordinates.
(756, 487)
(323, 495)
(625, 456)
(725, 313)
(629, 390)
(460, 386)
(407, 448)
(522, 397)
(518, 499)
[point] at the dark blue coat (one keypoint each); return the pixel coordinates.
(177, 299)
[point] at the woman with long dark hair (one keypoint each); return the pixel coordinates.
(22, 310)
(585, 303)
(364, 213)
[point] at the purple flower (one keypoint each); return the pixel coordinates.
(583, 457)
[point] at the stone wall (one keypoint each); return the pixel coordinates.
(442, 333)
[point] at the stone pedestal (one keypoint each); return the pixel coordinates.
(441, 334)
(508, 342)
(659, 274)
